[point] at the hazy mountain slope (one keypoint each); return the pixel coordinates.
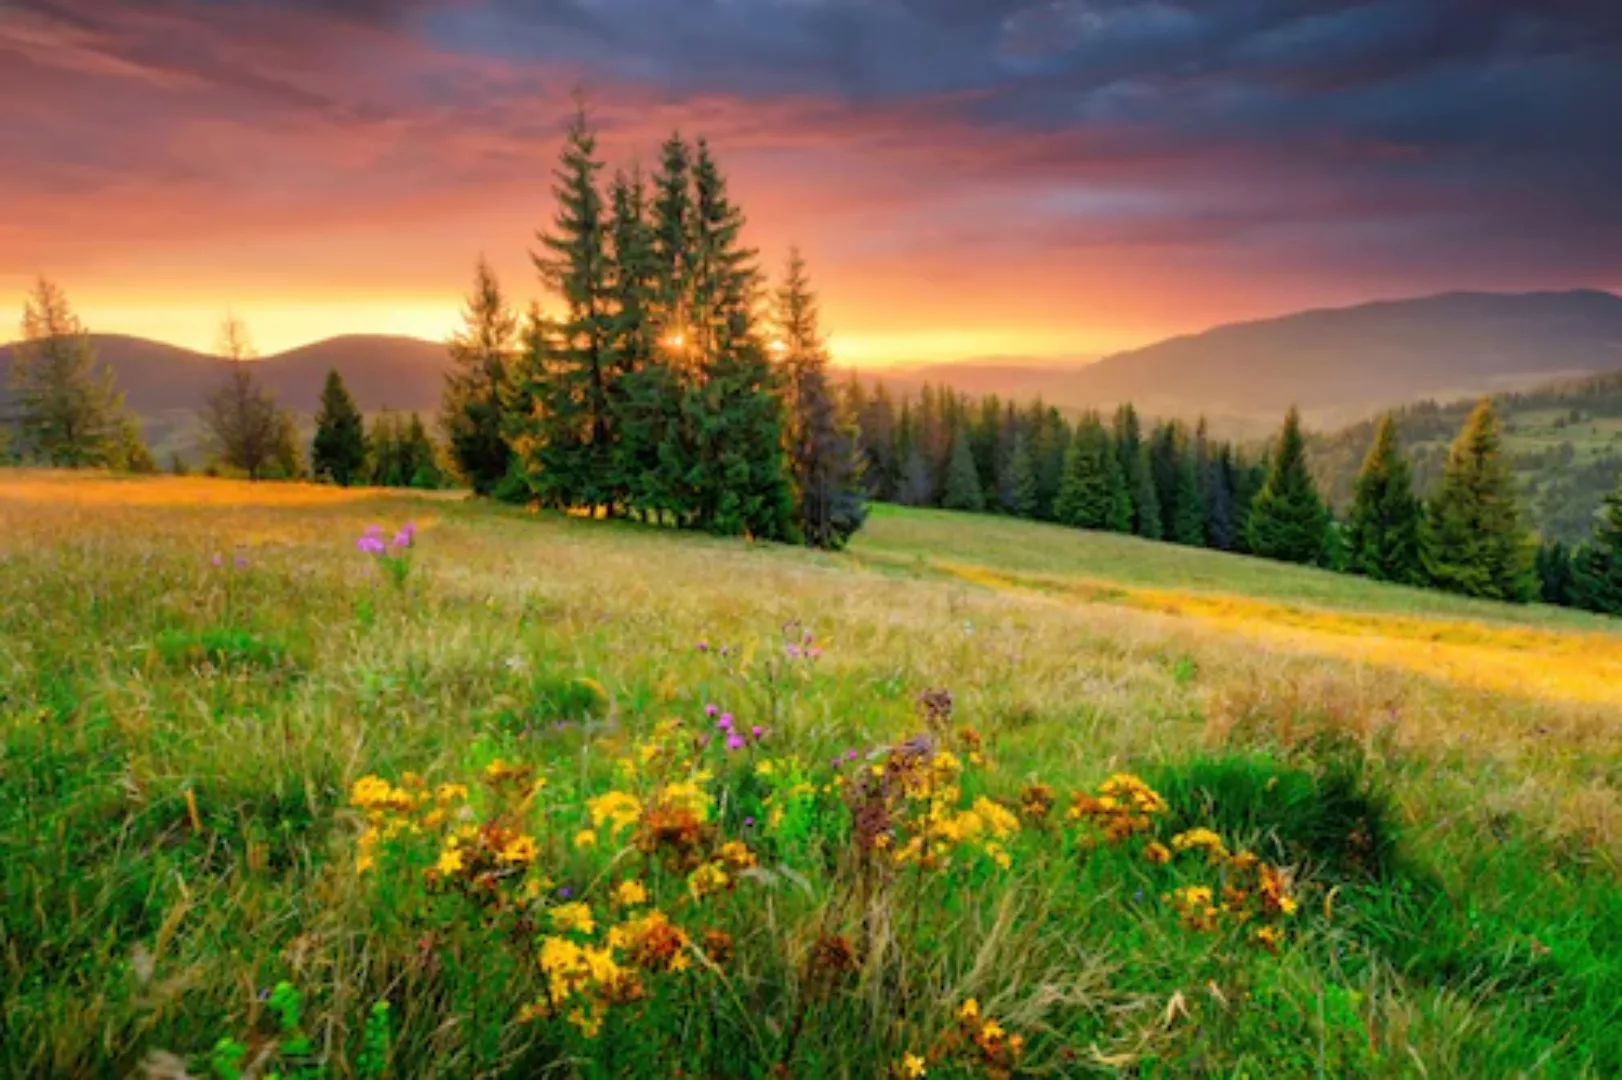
(1564, 439)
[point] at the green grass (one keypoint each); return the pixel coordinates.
(179, 742)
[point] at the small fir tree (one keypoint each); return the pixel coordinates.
(338, 452)
(69, 413)
(1596, 571)
(473, 410)
(1478, 542)
(1288, 520)
(1384, 526)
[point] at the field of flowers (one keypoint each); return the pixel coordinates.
(311, 784)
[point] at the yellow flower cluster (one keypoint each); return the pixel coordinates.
(1250, 890)
(979, 1044)
(1123, 807)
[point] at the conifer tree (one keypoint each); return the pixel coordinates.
(962, 478)
(881, 467)
(1022, 478)
(1221, 522)
(742, 479)
(128, 451)
(823, 454)
(339, 450)
(1556, 569)
(1478, 544)
(571, 450)
(1089, 492)
(286, 455)
(1146, 521)
(473, 410)
(1596, 571)
(1188, 520)
(1383, 529)
(1288, 520)
(249, 429)
(69, 414)
(1049, 447)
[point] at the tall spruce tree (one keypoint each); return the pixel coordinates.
(1221, 520)
(1384, 526)
(69, 413)
(1146, 519)
(1188, 519)
(475, 398)
(1596, 571)
(572, 454)
(250, 431)
(1049, 447)
(1022, 479)
(743, 482)
(962, 478)
(1556, 570)
(824, 458)
(1090, 490)
(339, 450)
(1478, 542)
(881, 467)
(1288, 520)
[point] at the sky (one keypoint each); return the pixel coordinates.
(966, 178)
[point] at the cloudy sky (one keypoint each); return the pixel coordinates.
(968, 178)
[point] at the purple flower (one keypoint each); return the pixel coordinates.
(710, 710)
(402, 539)
(725, 723)
(369, 545)
(734, 742)
(240, 562)
(749, 823)
(850, 755)
(834, 761)
(566, 892)
(792, 650)
(807, 637)
(757, 731)
(723, 650)
(216, 560)
(813, 653)
(372, 530)
(703, 646)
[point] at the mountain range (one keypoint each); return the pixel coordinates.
(1339, 365)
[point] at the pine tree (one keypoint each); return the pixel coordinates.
(421, 459)
(1221, 520)
(1478, 544)
(1596, 571)
(339, 450)
(1049, 448)
(248, 428)
(1188, 520)
(1556, 568)
(473, 410)
(1090, 490)
(743, 485)
(286, 456)
(1288, 521)
(1022, 478)
(962, 478)
(571, 452)
(1383, 529)
(69, 414)
(881, 467)
(1146, 520)
(128, 452)
(824, 458)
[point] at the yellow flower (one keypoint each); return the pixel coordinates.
(451, 793)
(1269, 937)
(585, 838)
(991, 1031)
(630, 894)
(969, 1011)
(912, 1066)
(588, 1024)
(1001, 821)
(736, 854)
(1156, 852)
(999, 855)
(450, 861)
(707, 879)
(1201, 840)
(520, 849)
(619, 809)
(575, 916)
(764, 768)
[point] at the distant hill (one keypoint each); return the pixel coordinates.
(1337, 364)
(166, 385)
(1564, 439)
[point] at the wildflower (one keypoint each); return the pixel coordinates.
(520, 849)
(1036, 801)
(565, 892)
(1269, 937)
(707, 879)
(451, 792)
(630, 894)
(590, 1025)
(749, 822)
(573, 916)
(725, 723)
(216, 560)
(912, 1066)
(402, 539)
(969, 1011)
(718, 947)
(757, 731)
(832, 957)
(998, 820)
(652, 942)
(1201, 840)
(703, 646)
(813, 653)
(1157, 853)
(851, 755)
(619, 809)
(240, 562)
(585, 838)
(999, 855)
(369, 545)
(734, 742)
(710, 711)
(450, 861)
(736, 854)
(764, 768)
(793, 651)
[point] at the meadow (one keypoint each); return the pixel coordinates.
(290, 788)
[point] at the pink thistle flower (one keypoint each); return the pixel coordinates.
(734, 742)
(710, 711)
(757, 731)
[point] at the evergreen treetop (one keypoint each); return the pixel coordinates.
(1478, 543)
(1288, 521)
(1384, 527)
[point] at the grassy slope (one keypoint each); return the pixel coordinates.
(1486, 946)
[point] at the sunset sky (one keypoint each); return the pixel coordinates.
(967, 178)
